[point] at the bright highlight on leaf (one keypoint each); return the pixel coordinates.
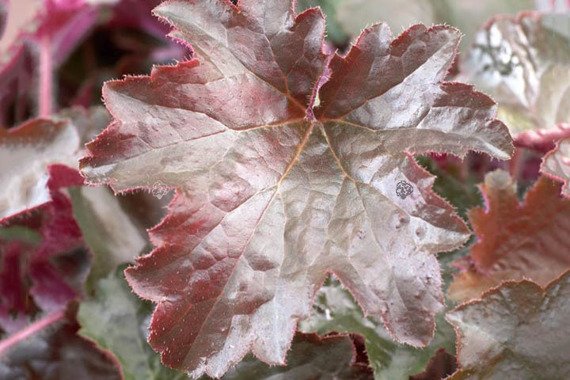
(517, 331)
(556, 164)
(515, 241)
(524, 63)
(27, 151)
(285, 164)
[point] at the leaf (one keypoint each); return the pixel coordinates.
(347, 17)
(336, 311)
(543, 140)
(27, 151)
(334, 30)
(553, 5)
(457, 179)
(44, 273)
(116, 320)
(524, 62)
(310, 357)
(516, 331)
(440, 366)
(50, 349)
(108, 231)
(515, 241)
(274, 193)
(556, 164)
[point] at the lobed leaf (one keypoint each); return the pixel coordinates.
(515, 241)
(282, 178)
(515, 331)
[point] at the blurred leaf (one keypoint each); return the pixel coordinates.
(440, 366)
(516, 331)
(50, 349)
(39, 276)
(455, 180)
(524, 63)
(346, 18)
(556, 164)
(108, 231)
(336, 311)
(310, 358)
(27, 151)
(118, 321)
(515, 241)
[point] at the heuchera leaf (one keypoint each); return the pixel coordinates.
(45, 273)
(524, 62)
(556, 164)
(27, 151)
(515, 241)
(279, 183)
(311, 357)
(553, 5)
(543, 140)
(336, 311)
(516, 331)
(108, 231)
(116, 319)
(50, 349)
(440, 366)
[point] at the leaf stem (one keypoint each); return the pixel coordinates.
(45, 92)
(32, 329)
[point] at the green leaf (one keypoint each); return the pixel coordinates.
(310, 358)
(117, 320)
(336, 311)
(108, 231)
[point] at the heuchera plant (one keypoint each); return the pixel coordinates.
(289, 182)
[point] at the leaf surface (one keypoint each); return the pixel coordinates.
(116, 319)
(515, 241)
(516, 331)
(109, 232)
(524, 62)
(556, 164)
(543, 140)
(28, 150)
(277, 187)
(311, 357)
